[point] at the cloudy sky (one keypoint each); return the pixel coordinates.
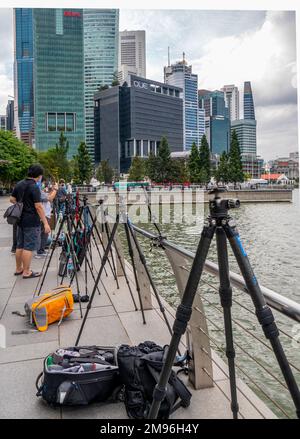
(224, 47)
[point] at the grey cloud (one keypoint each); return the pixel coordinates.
(277, 132)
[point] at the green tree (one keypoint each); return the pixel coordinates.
(105, 172)
(235, 161)
(55, 160)
(103, 87)
(163, 161)
(83, 165)
(115, 80)
(204, 158)
(137, 169)
(151, 167)
(222, 172)
(194, 164)
(178, 171)
(15, 158)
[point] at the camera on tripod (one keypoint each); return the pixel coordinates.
(219, 206)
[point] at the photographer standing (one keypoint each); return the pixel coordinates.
(29, 227)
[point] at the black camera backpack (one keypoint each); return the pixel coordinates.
(139, 370)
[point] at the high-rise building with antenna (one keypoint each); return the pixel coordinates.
(180, 75)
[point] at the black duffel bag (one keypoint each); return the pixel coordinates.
(139, 369)
(79, 375)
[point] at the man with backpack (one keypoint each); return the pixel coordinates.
(61, 195)
(27, 192)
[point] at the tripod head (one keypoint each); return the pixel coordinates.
(219, 207)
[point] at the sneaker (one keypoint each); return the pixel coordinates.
(40, 255)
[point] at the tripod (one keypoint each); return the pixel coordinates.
(220, 223)
(130, 235)
(66, 223)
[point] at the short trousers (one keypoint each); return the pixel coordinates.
(28, 238)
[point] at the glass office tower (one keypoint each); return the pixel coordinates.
(58, 77)
(249, 112)
(180, 75)
(23, 74)
(101, 41)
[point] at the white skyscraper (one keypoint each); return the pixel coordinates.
(132, 53)
(231, 94)
(180, 74)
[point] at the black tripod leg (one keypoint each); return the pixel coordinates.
(183, 315)
(104, 259)
(263, 313)
(74, 261)
(126, 277)
(143, 261)
(93, 226)
(114, 271)
(225, 292)
(134, 269)
(51, 255)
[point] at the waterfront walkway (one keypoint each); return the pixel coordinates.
(112, 320)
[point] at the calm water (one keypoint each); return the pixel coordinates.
(271, 235)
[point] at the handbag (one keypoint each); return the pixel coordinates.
(13, 213)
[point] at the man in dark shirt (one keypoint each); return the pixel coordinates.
(33, 214)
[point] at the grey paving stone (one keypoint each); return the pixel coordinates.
(18, 393)
(16, 354)
(4, 296)
(106, 331)
(16, 323)
(99, 311)
(96, 411)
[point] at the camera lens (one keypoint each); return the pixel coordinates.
(233, 204)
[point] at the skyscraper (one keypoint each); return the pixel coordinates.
(217, 122)
(249, 112)
(132, 53)
(23, 74)
(58, 77)
(231, 94)
(10, 115)
(62, 57)
(101, 42)
(3, 122)
(180, 75)
(131, 119)
(246, 134)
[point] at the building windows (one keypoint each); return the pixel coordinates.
(152, 147)
(137, 147)
(59, 22)
(60, 122)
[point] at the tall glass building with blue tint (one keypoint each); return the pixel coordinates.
(101, 42)
(249, 112)
(23, 74)
(217, 120)
(180, 75)
(58, 77)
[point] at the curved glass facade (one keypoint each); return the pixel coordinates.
(24, 72)
(101, 42)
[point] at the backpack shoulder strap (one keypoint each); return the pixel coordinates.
(182, 391)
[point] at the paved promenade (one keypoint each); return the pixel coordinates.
(112, 320)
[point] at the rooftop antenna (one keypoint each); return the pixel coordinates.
(168, 56)
(183, 57)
